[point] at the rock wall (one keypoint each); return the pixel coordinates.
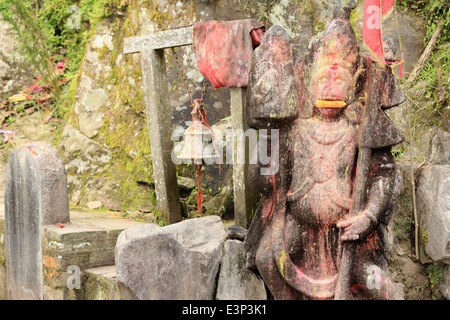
(15, 74)
(104, 137)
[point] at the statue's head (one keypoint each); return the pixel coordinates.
(333, 63)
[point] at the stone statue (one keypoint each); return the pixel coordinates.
(320, 229)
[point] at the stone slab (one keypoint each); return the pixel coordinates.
(101, 284)
(86, 242)
(176, 262)
(235, 281)
(433, 205)
(36, 194)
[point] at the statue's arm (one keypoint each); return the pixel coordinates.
(259, 175)
(382, 179)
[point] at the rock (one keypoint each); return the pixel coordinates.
(236, 232)
(94, 204)
(88, 111)
(86, 161)
(83, 156)
(36, 195)
(15, 75)
(222, 203)
(440, 148)
(433, 205)
(179, 261)
(101, 284)
(186, 184)
(236, 282)
(445, 283)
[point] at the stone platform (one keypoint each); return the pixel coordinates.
(69, 250)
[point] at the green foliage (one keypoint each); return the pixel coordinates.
(432, 11)
(45, 35)
(434, 273)
(430, 105)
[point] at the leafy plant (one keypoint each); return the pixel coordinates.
(434, 273)
(430, 105)
(46, 37)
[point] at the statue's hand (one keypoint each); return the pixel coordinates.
(356, 227)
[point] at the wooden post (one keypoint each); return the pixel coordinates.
(159, 118)
(243, 199)
(160, 131)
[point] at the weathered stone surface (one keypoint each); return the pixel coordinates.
(235, 281)
(83, 156)
(88, 241)
(433, 204)
(94, 204)
(36, 195)
(101, 284)
(3, 287)
(440, 148)
(160, 40)
(88, 111)
(237, 232)
(179, 261)
(186, 184)
(445, 283)
(87, 161)
(14, 74)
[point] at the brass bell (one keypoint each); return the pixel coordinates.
(198, 139)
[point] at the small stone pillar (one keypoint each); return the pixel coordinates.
(36, 195)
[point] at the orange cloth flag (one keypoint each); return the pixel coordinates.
(374, 12)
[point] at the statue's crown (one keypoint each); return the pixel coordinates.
(338, 44)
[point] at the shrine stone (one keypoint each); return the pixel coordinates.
(36, 195)
(179, 261)
(235, 281)
(433, 205)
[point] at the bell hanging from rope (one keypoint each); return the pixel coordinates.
(198, 139)
(197, 145)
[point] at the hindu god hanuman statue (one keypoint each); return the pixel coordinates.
(320, 229)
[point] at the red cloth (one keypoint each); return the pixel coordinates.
(224, 50)
(386, 7)
(374, 11)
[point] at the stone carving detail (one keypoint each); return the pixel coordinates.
(320, 229)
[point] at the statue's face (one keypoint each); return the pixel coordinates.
(332, 88)
(332, 83)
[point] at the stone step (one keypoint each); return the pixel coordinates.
(68, 250)
(101, 284)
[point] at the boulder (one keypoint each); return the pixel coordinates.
(440, 148)
(236, 232)
(179, 261)
(236, 282)
(433, 204)
(186, 184)
(445, 283)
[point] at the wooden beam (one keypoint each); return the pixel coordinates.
(161, 40)
(160, 132)
(243, 197)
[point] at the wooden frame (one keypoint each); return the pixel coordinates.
(152, 48)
